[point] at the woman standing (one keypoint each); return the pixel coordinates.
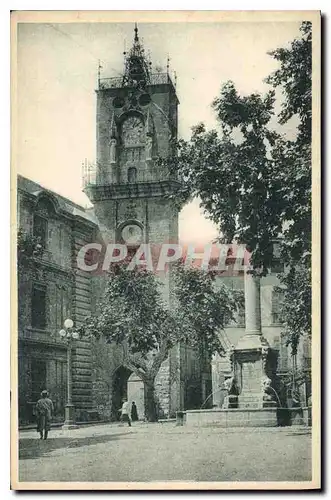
(134, 413)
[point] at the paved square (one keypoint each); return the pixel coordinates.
(157, 452)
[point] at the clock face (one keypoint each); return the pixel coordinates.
(133, 133)
(132, 234)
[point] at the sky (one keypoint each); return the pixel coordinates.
(57, 75)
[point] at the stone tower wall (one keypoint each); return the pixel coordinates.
(156, 214)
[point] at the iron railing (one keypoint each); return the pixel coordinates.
(94, 174)
(119, 81)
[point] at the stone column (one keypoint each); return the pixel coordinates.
(253, 331)
(251, 352)
(252, 305)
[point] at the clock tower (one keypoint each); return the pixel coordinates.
(136, 123)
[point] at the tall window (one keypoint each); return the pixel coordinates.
(132, 174)
(38, 307)
(40, 229)
(276, 306)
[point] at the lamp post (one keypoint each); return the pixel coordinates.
(69, 336)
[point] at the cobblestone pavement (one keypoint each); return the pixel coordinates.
(158, 452)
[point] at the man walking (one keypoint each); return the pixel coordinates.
(44, 412)
(125, 417)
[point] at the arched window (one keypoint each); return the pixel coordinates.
(132, 174)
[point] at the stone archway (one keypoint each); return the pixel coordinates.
(136, 393)
(119, 390)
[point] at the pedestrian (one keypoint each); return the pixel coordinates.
(44, 412)
(134, 412)
(125, 417)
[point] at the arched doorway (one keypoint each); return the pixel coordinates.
(119, 390)
(127, 384)
(136, 394)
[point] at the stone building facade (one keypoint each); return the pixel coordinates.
(50, 289)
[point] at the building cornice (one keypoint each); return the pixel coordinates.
(99, 192)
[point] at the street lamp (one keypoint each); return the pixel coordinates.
(69, 336)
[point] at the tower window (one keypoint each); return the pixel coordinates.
(132, 174)
(118, 102)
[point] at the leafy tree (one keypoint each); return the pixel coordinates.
(134, 316)
(292, 161)
(294, 77)
(232, 173)
(296, 307)
(253, 182)
(204, 307)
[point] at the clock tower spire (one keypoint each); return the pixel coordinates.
(136, 70)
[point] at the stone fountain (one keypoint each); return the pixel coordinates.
(252, 403)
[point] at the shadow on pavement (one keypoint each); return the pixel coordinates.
(300, 433)
(35, 448)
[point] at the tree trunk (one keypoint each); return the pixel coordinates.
(150, 404)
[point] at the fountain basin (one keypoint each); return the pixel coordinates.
(232, 417)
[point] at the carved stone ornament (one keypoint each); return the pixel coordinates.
(131, 211)
(264, 353)
(113, 143)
